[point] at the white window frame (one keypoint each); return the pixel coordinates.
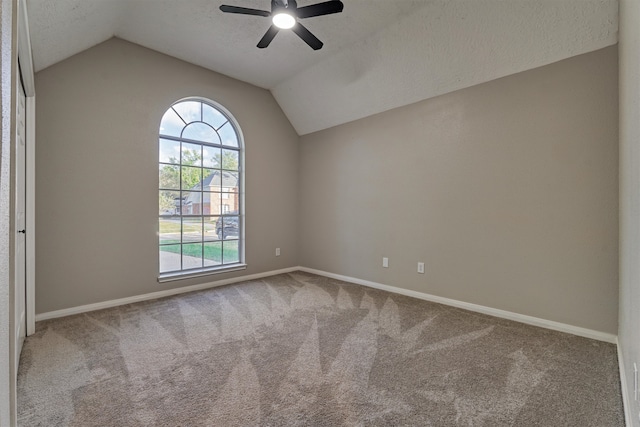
(225, 268)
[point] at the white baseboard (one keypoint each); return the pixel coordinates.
(626, 399)
(530, 320)
(156, 295)
(535, 321)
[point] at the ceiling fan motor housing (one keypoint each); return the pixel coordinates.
(283, 3)
(287, 5)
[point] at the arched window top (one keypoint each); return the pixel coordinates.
(199, 120)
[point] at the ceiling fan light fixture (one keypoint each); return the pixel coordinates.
(284, 20)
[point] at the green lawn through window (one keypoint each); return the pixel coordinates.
(211, 252)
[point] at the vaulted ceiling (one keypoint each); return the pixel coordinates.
(377, 54)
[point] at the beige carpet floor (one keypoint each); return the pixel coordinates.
(302, 350)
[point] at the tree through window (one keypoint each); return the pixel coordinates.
(200, 215)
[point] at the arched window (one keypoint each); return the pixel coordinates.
(200, 198)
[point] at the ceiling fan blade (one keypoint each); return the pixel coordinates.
(268, 36)
(306, 35)
(243, 10)
(326, 8)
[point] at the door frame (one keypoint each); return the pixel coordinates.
(20, 205)
(26, 71)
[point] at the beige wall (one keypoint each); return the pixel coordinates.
(508, 191)
(629, 332)
(97, 174)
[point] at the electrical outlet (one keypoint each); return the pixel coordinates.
(421, 267)
(277, 251)
(385, 262)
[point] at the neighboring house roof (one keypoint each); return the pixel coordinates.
(229, 180)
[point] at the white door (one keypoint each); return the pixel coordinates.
(20, 270)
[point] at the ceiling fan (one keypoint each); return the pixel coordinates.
(285, 15)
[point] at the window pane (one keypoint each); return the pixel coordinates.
(171, 124)
(230, 227)
(169, 202)
(230, 252)
(189, 111)
(213, 180)
(201, 132)
(209, 223)
(191, 203)
(191, 154)
(212, 116)
(192, 255)
(229, 181)
(228, 135)
(169, 176)
(169, 258)
(211, 157)
(191, 178)
(192, 229)
(212, 254)
(169, 230)
(230, 203)
(169, 151)
(219, 227)
(211, 203)
(230, 160)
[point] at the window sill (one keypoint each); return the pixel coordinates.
(181, 275)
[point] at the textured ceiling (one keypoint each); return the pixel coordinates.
(378, 54)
